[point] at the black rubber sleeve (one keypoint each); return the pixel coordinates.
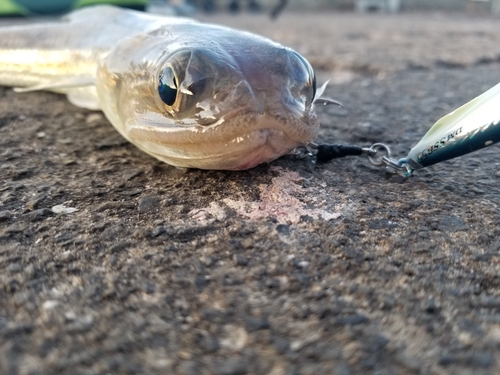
(329, 152)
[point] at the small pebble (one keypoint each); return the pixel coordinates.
(411, 364)
(18, 330)
(247, 243)
(14, 267)
(148, 204)
(5, 216)
(296, 345)
(283, 229)
(232, 366)
(29, 272)
(50, 304)
(82, 324)
(201, 282)
(303, 264)
(110, 205)
(256, 324)
(430, 306)
(158, 231)
(129, 175)
(206, 260)
(65, 141)
(63, 237)
(240, 260)
(93, 117)
(208, 343)
(111, 141)
(14, 228)
(22, 174)
(351, 320)
(34, 203)
(118, 247)
(62, 209)
(354, 352)
(40, 214)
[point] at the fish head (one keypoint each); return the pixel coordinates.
(214, 99)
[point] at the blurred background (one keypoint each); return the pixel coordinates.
(274, 7)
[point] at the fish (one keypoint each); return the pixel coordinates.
(190, 94)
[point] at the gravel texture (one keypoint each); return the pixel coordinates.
(113, 263)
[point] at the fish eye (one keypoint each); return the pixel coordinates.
(168, 86)
(185, 78)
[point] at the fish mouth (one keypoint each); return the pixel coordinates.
(236, 142)
(260, 146)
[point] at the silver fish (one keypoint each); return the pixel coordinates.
(190, 94)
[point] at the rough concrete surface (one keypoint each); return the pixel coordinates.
(288, 268)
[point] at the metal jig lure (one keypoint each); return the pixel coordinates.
(473, 126)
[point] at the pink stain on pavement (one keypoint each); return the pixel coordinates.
(284, 199)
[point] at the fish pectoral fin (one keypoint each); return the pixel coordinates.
(59, 85)
(84, 96)
(80, 90)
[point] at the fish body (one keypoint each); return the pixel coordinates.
(190, 94)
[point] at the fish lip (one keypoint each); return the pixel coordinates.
(260, 153)
(258, 138)
(235, 159)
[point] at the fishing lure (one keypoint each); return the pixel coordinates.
(473, 126)
(190, 94)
